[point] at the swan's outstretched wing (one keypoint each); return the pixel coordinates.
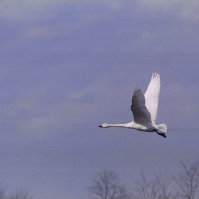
(152, 96)
(140, 112)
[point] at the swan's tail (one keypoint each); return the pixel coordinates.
(162, 127)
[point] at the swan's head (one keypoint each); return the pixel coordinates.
(104, 125)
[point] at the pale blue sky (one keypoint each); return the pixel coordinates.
(68, 66)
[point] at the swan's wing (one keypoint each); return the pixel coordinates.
(140, 112)
(152, 96)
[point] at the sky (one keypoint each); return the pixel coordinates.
(68, 66)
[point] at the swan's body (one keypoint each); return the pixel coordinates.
(144, 108)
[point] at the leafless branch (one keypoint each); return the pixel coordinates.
(187, 180)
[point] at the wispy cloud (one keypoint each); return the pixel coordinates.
(67, 66)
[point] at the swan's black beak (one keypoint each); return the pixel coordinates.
(100, 126)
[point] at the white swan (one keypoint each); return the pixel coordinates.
(144, 108)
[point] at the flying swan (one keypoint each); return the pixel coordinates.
(144, 108)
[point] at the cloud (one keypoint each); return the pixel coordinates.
(68, 66)
(81, 65)
(184, 98)
(190, 11)
(50, 106)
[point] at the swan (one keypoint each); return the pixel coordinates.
(144, 108)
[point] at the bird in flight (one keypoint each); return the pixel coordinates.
(144, 108)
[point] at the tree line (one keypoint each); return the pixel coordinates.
(18, 194)
(184, 184)
(106, 184)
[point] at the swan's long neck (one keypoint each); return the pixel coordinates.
(119, 125)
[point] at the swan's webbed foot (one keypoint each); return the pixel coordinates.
(161, 134)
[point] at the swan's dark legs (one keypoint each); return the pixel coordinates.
(162, 134)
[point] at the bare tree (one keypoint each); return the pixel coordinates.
(157, 187)
(147, 189)
(2, 193)
(187, 180)
(106, 185)
(163, 183)
(20, 194)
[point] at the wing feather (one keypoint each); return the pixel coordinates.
(152, 96)
(140, 112)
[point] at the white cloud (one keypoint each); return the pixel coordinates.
(191, 11)
(182, 104)
(104, 97)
